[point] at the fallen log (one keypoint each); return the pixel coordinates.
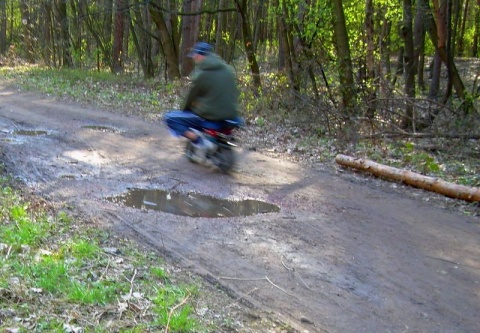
(411, 178)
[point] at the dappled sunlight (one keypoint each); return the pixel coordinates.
(6, 93)
(94, 158)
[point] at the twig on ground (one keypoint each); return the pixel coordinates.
(284, 265)
(295, 272)
(239, 279)
(131, 282)
(105, 271)
(170, 314)
(273, 284)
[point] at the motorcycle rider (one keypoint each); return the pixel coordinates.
(212, 99)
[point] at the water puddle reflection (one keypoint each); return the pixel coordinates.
(191, 204)
(105, 129)
(30, 132)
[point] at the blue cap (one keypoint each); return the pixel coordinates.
(201, 48)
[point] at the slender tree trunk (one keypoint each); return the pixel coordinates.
(220, 44)
(438, 34)
(174, 21)
(28, 51)
(476, 35)
(107, 21)
(285, 50)
(419, 41)
(248, 43)
(370, 58)
(344, 59)
(138, 48)
(171, 56)
(384, 40)
(409, 61)
(105, 53)
(399, 66)
(76, 30)
(189, 36)
(460, 49)
(67, 60)
(143, 41)
(3, 27)
(118, 35)
(47, 33)
(259, 14)
(434, 92)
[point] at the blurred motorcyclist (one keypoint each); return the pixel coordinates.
(212, 99)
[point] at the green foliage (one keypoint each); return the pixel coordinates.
(99, 87)
(83, 249)
(171, 310)
(92, 292)
(19, 229)
(49, 274)
(51, 268)
(421, 161)
(159, 273)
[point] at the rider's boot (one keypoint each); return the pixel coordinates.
(201, 148)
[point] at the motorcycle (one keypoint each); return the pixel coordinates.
(222, 154)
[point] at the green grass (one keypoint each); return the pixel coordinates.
(55, 276)
(101, 88)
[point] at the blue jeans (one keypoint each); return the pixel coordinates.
(181, 121)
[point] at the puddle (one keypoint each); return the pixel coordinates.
(71, 177)
(105, 129)
(191, 204)
(30, 132)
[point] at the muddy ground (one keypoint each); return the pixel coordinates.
(339, 256)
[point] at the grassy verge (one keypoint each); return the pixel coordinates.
(59, 276)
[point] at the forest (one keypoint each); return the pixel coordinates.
(354, 70)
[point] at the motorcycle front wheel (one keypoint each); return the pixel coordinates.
(190, 152)
(224, 158)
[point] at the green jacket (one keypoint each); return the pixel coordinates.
(213, 93)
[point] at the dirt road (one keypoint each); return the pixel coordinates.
(338, 256)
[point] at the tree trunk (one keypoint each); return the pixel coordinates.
(434, 92)
(384, 46)
(370, 58)
(220, 29)
(3, 27)
(143, 41)
(411, 178)
(47, 34)
(476, 35)
(461, 38)
(419, 41)
(107, 22)
(438, 35)
(67, 60)
(119, 29)
(105, 53)
(171, 56)
(285, 50)
(28, 51)
(409, 61)
(248, 43)
(189, 36)
(347, 85)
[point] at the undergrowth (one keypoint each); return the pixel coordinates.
(57, 277)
